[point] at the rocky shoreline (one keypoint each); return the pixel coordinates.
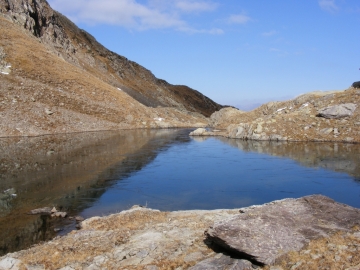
(312, 232)
(319, 117)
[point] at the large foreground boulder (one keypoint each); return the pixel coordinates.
(265, 233)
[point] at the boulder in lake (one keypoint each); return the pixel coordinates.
(337, 111)
(265, 233)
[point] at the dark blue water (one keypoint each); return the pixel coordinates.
(212, 173)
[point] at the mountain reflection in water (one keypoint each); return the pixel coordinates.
(106, 172)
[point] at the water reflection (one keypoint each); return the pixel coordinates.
(339, 157)
(68, 171)
(106, 172)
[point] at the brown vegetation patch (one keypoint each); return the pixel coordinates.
(131, 220)
(339, 251)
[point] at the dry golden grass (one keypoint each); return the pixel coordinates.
(340, 251)
(135, 220)
(300, 123)
(81, 97)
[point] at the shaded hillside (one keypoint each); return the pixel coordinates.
(79, 48)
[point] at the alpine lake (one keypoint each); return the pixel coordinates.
(100, 173)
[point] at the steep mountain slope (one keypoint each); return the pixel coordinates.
(55, 78)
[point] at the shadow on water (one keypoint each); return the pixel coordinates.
(69, 171)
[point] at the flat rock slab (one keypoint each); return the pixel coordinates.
(267, 232)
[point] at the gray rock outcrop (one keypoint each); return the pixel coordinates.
(219, 116)
(4, 67)
(267, 232)
(337, 111)
(248, 131)
(198, 132)
(356, 84)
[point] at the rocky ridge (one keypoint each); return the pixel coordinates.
(56, 78)
(318, 116)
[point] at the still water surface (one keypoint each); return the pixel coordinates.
(100, 173)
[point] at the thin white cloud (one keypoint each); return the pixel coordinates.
(214, 31)
(269, 34)
(238, 19)
(195, 6)
(328, 5)
(131, 14)
(127, 13)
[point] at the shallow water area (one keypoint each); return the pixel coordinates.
(95, 174)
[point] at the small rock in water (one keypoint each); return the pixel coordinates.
(198, 132)
(41, 211)
(61, 214)
(79, 219)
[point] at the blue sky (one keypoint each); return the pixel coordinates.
(237, 52)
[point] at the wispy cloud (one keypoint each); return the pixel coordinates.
(195, 6)
(269, 34)
(213, 31)
(131, 14)
(238, 19)
(328, 5)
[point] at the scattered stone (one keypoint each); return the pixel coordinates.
(50, 152)
(337, 111)
(270, 231)
(41, 211)
(60, 214)
(48, 112)
(326, 131)
(79, 219)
